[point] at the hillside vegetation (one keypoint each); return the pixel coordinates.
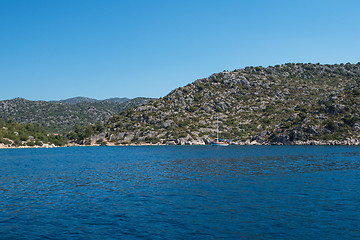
(282, 104)
(60, 116)
(13, 134)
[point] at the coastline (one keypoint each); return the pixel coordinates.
(351, 142)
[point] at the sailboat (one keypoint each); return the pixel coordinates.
(218, 141)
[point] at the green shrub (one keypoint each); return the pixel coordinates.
(17, 142)
(331, 125)
(30, 144)
(4, 141)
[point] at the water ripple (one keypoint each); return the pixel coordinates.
(249, 192)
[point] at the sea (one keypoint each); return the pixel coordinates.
(180, 192)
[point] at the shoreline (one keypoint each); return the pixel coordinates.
(238, 143)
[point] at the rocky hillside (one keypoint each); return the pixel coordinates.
(64, 115)
(282, 104)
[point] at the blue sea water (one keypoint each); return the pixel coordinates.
(180, 192)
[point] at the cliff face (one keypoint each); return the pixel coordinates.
(279, 104)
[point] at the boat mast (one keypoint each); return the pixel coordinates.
(217, 128)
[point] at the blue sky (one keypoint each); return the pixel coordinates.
(113, 48)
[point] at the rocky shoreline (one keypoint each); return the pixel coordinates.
(351, 142)
(8, 146)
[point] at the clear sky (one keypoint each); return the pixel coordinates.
(113, 48)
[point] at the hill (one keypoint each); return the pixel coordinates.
(282, 104)
(64, 115)
(77, 100)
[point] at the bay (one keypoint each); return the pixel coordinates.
(180, 192)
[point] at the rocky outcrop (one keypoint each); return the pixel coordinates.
(99, 138)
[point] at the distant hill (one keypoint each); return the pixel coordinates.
(77, 100)
(118, 100)
(280, 104)
(59, 116)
